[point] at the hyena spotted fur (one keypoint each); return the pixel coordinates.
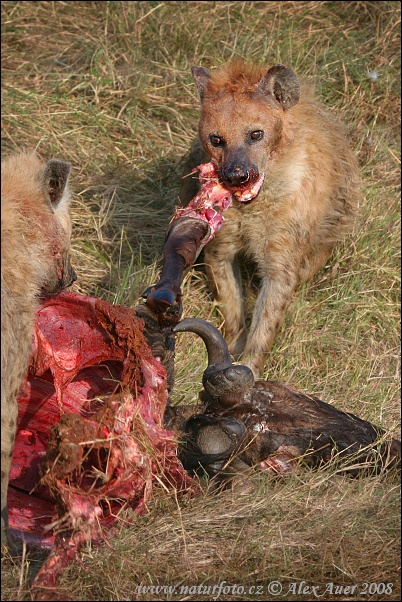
(35, 239)
(256, 122)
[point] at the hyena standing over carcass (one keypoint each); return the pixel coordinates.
(273, 143)
(35, 240)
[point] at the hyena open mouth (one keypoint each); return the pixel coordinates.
(245, 194)
(214, 198)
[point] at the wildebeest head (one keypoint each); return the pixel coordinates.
(221, 379)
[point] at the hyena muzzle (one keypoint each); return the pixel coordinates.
(35, 240)
(270, 138)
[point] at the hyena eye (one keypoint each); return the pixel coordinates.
(257, 135)
(216, 140)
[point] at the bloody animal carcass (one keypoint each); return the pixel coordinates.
(90, 442)
(243, 423)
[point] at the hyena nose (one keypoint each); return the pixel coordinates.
(235, 175)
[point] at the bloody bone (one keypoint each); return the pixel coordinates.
(191, 228)
(90, 423)
(184, 240)
(209, 203)
(269, 424)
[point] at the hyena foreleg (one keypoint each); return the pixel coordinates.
(7, 444)
(272, 303)
(225, 281)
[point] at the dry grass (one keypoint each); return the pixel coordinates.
(107, 86)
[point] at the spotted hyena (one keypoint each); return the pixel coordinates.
(35, 238)
(271, 139)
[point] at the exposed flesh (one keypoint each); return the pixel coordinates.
(90, 421)
(214, 198)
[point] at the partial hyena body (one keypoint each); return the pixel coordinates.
(262, 125)
(35, 239)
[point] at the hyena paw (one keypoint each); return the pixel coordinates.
(255, 363)
(8, 545)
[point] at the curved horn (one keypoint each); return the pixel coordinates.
(221, 379)
(217, 349)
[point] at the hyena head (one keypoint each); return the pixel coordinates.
(242, 115)
(54, 181)
(35, 210)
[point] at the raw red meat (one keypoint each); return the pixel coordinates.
(90, 423)
(213, 198)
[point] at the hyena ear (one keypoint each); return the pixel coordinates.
(201, 77)
(54, 179)
(281, 83)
